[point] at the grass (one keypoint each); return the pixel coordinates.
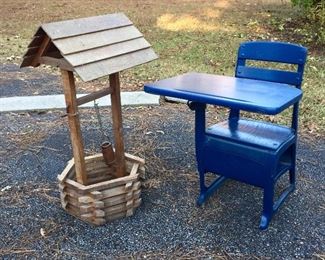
(188, 35)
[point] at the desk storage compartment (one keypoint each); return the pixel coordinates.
(226, 158)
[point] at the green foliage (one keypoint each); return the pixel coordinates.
(314, 11)
(317, 16)
(317, 13)
(306, 4)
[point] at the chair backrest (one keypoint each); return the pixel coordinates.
(278, 52)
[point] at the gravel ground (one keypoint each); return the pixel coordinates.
(35, 148)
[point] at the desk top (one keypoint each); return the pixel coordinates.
(244, 94)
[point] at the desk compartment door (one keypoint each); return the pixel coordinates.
(237, 161)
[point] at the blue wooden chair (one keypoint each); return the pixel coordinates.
(254, 152)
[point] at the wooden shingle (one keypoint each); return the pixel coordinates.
(93, 47)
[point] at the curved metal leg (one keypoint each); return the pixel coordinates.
(206, 192)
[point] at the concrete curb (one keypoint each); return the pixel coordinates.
(30, 103)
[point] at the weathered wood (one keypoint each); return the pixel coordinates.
(114, 81)
(94, 40)
(102, 68)
(68, 191)
(75, 27)
(121, 208)
(99, 158)
(73, 210)
(107, 52)
(84, 206)
(61, 63)
(86, 199)
(67, 170)
(114, 201)
(41, 50)
(74, 125)
(95, 95)
(36, 41)
(31, 51)
(99, 167)
(94, 173)
(98, 174)
(110, 183)
(120, 199)
(99, 186)
(92, 219)
(54, 54)
(98, 179)
(117, 209)
(75, 185)
(134, 158)
(93, 47)
(96, 213)
(72, 200)
(53, 49)
(119, 190)
(115, 216)
(98, 204)
(97, 207)
(113, 192)
(27, 60)
(129, 212)
(134, 169)
(128, 186)
(98, 161)
(63, 198)
(90, 209)
(130, 205)
(98, 221)
(95, 167)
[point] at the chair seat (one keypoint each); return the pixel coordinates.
(250, 132)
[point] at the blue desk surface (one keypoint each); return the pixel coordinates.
(244, 94)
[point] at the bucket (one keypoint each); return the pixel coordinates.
(108, 153)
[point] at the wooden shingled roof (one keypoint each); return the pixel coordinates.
(93, 47)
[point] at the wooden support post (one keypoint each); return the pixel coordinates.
(74, 125)
(114, 82)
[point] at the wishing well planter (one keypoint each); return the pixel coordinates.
(94, 47)
(105, 198)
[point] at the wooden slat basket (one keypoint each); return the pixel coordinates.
(104, 198)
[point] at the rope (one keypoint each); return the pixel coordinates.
(99, 119)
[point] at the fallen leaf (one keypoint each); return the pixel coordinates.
(6, 188)
(42, 231)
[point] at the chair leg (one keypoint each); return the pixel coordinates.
(267, 206)
(206, 192)
(292, 177)
(202, 197)
(292, 171)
